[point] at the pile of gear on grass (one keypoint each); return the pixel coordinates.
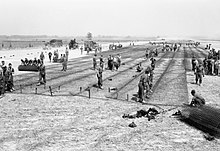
(150, 114)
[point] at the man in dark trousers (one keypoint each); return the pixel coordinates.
(64, 62)
(151, 74)
(101, 62)
(4, 69)
(50, 55)
(9, 77)
(153, 61)
(42, 74)
(145, 81)
(99, 76)
(197, 100)
(1, 82)
(193, 63)
(42, 56)
(94, 61)
(140, 90)
(199, 72)
(81, 49)
(147, 53)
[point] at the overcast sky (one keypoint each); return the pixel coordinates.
(110, 17)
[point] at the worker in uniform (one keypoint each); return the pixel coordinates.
(50, 55)
(101, 62)
(1, 82)
(115, 63)
(67, 54)
(147, 53)
(156, 52)
(42, 74)
(151, 73)
(99, 76)
(4, 82)
(199, 72)
(110, 62)
(42, 56)
(212, 66)
(119, 59)
(193, 63)
(64, 62)
(94, 62)
(197, 100)
(35, 62)
(26, 61)
(153, 61)
(205, 65)
(145, 81)
(9, 78)
(141, 90)
(139, 68)
(81, 49)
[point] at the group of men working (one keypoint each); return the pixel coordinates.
(30, 62)
(212, 63)
(39, 63)
(6, 78)
(42, 69)
(113, 63)
(149, 54)
(146, 81)
(209, 66)
(145, 84)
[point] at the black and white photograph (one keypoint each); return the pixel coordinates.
(109, 75)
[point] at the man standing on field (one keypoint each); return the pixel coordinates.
(42, 74)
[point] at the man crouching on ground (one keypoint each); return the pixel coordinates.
(197, 100)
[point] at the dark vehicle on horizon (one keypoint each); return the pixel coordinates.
(55, 43)
(90, 45)
(73, 44)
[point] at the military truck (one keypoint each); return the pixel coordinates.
(90, 45)
(73, 44)
(54, 43)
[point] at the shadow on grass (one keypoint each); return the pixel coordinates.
(200, 127)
